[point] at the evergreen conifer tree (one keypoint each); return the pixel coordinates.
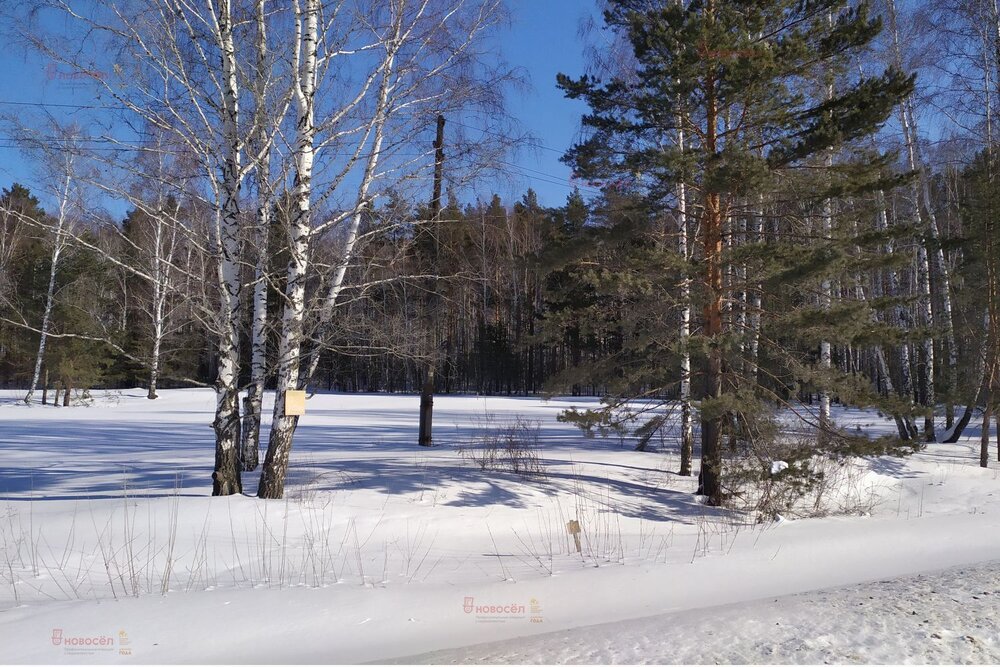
(751, 86)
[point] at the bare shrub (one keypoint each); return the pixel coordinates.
(508, 446)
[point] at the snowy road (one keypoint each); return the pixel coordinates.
(944, 617)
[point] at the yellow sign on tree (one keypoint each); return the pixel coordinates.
(295, 403)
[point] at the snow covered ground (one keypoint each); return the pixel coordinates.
(383, 549)
(941, 617)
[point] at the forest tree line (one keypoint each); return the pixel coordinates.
(108, 329)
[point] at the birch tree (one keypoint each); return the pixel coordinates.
(409, 73)
(930, 255)
(178, 69)
(64, 190)
(271, 100)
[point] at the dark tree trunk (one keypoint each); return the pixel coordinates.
(984, 440)
(226, 478)
(249, 451)
(710, 482)
(279, 448)
(711, 428)
(425, 438)
(963, 421)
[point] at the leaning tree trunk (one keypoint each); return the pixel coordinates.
(989, 354)
(279, 445)
(955, 432)
(900, 319)
(328, 304)
(57, 249)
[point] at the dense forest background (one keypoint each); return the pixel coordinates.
(494, 285)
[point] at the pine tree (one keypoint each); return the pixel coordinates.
(744, 81)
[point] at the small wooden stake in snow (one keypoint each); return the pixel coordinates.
(295, 403)
(573, 527)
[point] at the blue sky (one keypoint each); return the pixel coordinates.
(543, 40)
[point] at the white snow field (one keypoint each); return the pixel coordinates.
(112, 550)
(945, 617)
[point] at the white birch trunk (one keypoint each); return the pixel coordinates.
(250, 435)
(900, 319)
(938, 264)
(756, 305)
(826, 301)
(329, 303)
(272, 480)
(226, 476)
(826, 291)
(57, 248)
(926, 306)
(157, 322)
(163, 256)
(250, 444)
(687, 423)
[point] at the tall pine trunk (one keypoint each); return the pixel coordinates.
(710, 480)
